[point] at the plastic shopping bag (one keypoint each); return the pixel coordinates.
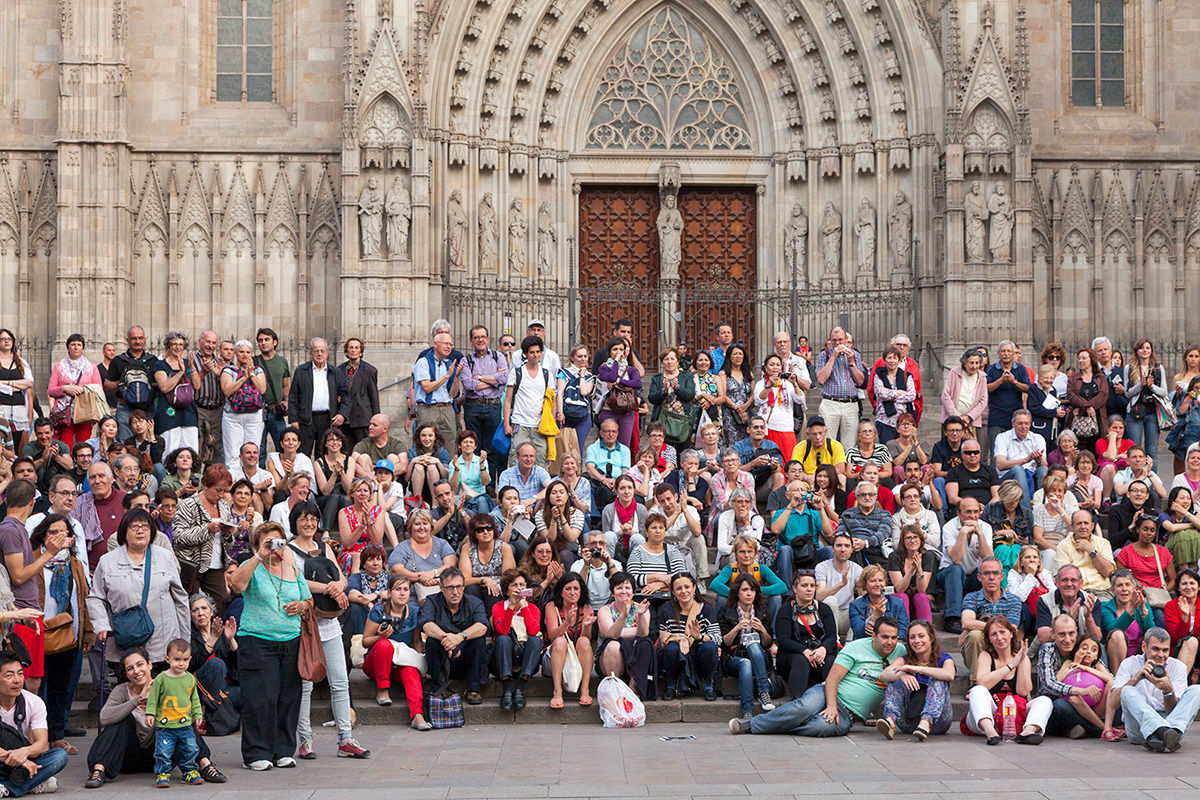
(619, 706)
(572, 674)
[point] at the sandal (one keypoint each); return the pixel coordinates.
(920, 735)
(1113, 735)
(69, 748)
(556, 702)
(886, 727)
(585, 701)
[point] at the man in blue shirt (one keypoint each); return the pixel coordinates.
(526, 476)
(724, 340)
(1007, 384)
(437, 381)
(607, 460)
(797, 524)
(761, 457)
(980, 606)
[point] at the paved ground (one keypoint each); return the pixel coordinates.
(553, 761)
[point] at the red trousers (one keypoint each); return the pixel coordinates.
(379, 668)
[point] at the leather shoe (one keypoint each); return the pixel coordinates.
(953, 625)
(710, 694)
(474, 698)
(668, 692)
(74, 732)
(506, 701)
(518, 700)
(1172, 739)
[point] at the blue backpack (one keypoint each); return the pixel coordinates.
(576, 408)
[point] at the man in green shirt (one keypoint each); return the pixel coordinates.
(853, 689)
(279, 376)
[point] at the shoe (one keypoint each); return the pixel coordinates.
(192, 777)
(920, 734)
(72, 733)
(518, 700)
(349, 748)
(506, 701)
(95, 780)
(1154, 743)
(164, 780)
(668, 692)
(69, 748)
(94, 703)
(50, 786)
(953, 625)
(211, 774)
(1172, 740)
(474, 698)
(710, 694)
(420, 726)
(1029, 738)
(1076, 732)
(383, 701)
(993, 741)
(764, 702)
(305, 750)
(286, 762)
(886, 727)
(262, 765)
(739, 725)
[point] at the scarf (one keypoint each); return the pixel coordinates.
(901, 383)
(625, 513)
(60, 583)
(73, 370)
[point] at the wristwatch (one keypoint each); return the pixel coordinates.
(1091, 554)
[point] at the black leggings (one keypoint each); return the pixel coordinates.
(800, 674)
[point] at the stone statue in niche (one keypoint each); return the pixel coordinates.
(370, 218)
(862, 103)
(864, 229)
(518, 228)
(831, 244)
(900, 220)
(547, 237)
(399, 216)
(1000, 208)
(795, 247)
(975, 207)
(456, 227)
(670, 231)
(489, 234)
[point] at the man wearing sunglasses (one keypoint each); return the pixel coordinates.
(972, 478)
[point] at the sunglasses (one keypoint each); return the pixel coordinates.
(971, 452)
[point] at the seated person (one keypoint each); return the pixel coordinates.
(1111, 453)
(798, 527)
(691, 484)
(623, 520)
(912, 512)
(872, 604)
(541, 568)
(868, 525)
(1083, 483)
(570, 617)
(806, 635)
(745, 639)
(1011, 521)
(393, 643)
(483, 559)
(1089, 551)
(999, 672)
(972, 478)
(760, 456)
(1028, 577)
(907, 449)
(1021, 454)
(818, 449)
(947, 453)
(625, 648)
(929, 669)
(689, 639)
(912, 473)
(455, 626)
(836, 579)
(723, 484)
(1052, 518)
(867, 449)
(966, 541)
(653, 562)
(740, 520)
(911, 568)
(684, 532)
(745, 562)
(990, 600)
(1140, 468)
(595, 566)
(1123, 516)
(870, 474)
(518, 643)
(1182, 621)
(513, 525)
(1072, 675)
(646, 475)
(1158, 709)
(1125, 617)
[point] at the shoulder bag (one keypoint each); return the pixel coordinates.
(1156, 597)
(133, 627)
(311, 663)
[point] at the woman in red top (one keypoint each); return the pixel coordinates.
(518, 626)
(1110, 452)
(1182, 621)
(1139, 556)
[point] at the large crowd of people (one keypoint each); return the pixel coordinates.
(202, 525)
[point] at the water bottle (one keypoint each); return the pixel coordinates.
(1008, 712)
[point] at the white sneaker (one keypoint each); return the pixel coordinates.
(262, 765)
(48, 786)
(285, 763)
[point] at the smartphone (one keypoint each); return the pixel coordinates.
(525, 593)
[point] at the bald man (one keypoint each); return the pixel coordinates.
(379, 444)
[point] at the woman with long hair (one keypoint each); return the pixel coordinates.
(1145, 389)
(911, 568)
(688, 637)
(709, 398)
(775, 397)
(576, 384)
(392, 626)
(917, 700)
(16, 404)
(560, 522)
(484, 559)
(1087, 393)
(736, 382)
(541, 567)
(622, 387)
(1001, 672)
(745, 641)
(569, 623)
(428, 462)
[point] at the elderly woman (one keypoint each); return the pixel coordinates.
(621, 385)
(119, 583)
(872, 603)
(569, 622)
(1067, 451)
(243, 384)
(745, 642)
(394, 645)
(483, 559)
(175, 416)
(673, 390)
(200, 521)
(1181, 618)
(625, 648)
(924, 674)
(67, 381)
(275, 594)
(965, 394)
(723, 484)
(125, 743)
(1055, 355)
(214, 657)
(740, 520)
(422, 556)
(653, 562)
(1011, 521)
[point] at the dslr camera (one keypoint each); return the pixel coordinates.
(388, 621)
(1158, 670)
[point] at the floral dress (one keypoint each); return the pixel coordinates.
(363, 528)
(732, 428)
(706, 383)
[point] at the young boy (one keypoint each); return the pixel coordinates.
(172, 708)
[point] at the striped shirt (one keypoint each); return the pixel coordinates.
(840, 385)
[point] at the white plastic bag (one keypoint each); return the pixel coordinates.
(572, 674)
(619, 706)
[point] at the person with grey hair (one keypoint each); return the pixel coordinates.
(243, 384)
(1007, 384)
(1021, 454)
(437, 384)
(130, 377)
(742, 519)
(207, 364)
(318, 397)
(1156, 701)
(902, 344)
(1114, 374)
(175, 418)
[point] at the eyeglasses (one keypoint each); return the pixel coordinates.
(971, 452)
(458, 587)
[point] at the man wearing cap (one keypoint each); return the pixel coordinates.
(550, 359)
(378, 445)
(818, 449)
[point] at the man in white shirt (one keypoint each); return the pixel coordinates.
(1155, 698)
(966, 541)
(523, 403)
(836, 579)
(1021, 454)
(247, 468)
(596, 566)
(40, 761)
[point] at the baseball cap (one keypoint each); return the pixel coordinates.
(384, 463)
(537, 322)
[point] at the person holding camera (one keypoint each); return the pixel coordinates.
(393, 643)
(1157, 703)
(777, 395)
(518, 623)
(799, 525)
(275, 595)
(595, 566)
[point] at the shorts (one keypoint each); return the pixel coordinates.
(34, 639)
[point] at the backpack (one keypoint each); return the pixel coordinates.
(246, 399)
(135, 386)
(517, 385)
(576, 409)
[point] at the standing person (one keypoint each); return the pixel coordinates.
(1087, 394)
(721, 350)
(776, 395)
(279, 380)
(67, 381)
(622, 383)
(1007, 383)
(523, 402)
(17, 380)
(275, 595)
(575, 387)
(1109, 362)
(207, 364)
(735, 385)
(672, 390)
(175, 412)
(796, 366)
(173, 710)
(130, 376)
(362, 382)
(840, 372)
(107, 353)
(895, 394)
(437, 384)
(965, 395)
(550, 359)
(243, 385)
(30, 769)
(483, 381)
(317, 397)
(1146, 389)
(622, 329)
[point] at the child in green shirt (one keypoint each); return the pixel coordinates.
(172, 708)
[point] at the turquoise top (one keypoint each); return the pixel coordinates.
(265, 598)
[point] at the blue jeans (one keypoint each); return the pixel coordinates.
(1144, 433)
(122, 414)
(213, 675)
(751, 673)
(275, 426)
(940, 485)
(1030, 481)
(175, 746)
(955, 583)
(774, 603)
(484, 418)
(49, 764)
(502, 656)
(1141, 720)
(702, 655)
(802, 717)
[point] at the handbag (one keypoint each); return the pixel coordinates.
(1166, 415)
(572, 673)
(1032, 600)
(182, 395)
(311, 663)
(446, 712)
(622, 400)
(1156, 597)
(677, 426)
(86, 408)
(1084, 426)
(62, 413)
(221, 718)
(133, 627)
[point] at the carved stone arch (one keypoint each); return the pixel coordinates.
(1115, 243)
(385, 133)
(9, 243)
(196, 240)
(919, 59)
(987, 140)
(151, 208)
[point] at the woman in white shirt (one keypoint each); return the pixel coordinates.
(774, 396)
(1028, 574)
(739, 520)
